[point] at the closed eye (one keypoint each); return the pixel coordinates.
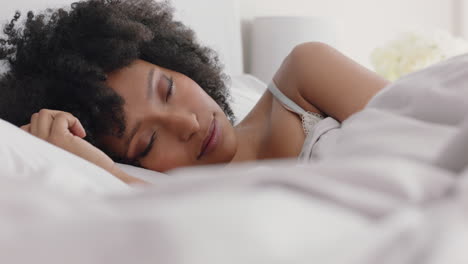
(170, 87)
(149, 147)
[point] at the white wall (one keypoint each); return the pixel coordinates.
(363, 24)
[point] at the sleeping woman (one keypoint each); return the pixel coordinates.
(121, 81)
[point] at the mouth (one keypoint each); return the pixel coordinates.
(211, 140)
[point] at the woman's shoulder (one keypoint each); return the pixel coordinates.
(287, 83)
(264, 106)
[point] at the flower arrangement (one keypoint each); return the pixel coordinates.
(412, 51)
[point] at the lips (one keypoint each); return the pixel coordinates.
(210, 141)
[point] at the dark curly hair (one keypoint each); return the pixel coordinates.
(60, 59)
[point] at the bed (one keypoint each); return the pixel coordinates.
(390, 185)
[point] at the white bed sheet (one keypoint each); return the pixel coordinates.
(413, 118)
(315, 213)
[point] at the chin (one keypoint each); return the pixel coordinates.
(229, 144)
(228, 148)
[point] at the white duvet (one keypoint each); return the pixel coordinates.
(389, 186)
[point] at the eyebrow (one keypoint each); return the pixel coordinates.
(134, 130)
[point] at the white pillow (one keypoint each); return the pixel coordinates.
(246, 90)
(146, 175)
(29, 158)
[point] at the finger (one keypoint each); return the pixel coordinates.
(48, 116)
(33, 122)
(26, 128)
(44, 124)
(66, 123)
(77, 129)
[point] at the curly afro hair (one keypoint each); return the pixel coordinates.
(60, 59)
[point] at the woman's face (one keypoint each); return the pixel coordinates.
(170, 121)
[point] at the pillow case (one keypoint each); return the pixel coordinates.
(246, 90)
(26, 157)
(143, 174)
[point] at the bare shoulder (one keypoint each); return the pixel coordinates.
(287, 77)
(321, 79)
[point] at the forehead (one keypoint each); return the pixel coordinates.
(127, 80)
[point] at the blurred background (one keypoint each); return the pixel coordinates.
(363, 24)
(372, 32)
(358, 26)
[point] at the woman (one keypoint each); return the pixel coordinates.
(135, 85)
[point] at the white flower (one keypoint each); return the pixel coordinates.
(413, 51)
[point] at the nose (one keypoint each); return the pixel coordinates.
(184, 124)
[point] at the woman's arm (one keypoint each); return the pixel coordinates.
(65, 131)
(321, 79)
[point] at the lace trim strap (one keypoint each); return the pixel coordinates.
(285, 100)
(309, 119)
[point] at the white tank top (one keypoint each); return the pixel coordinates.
(314, 124)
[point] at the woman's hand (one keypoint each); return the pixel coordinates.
(65, 131)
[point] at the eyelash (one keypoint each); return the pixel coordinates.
(153, 136)
(170, 87)
(149, 147)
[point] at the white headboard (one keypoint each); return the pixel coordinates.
(216, 23)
